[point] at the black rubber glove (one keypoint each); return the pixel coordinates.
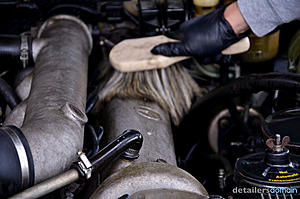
(204, 37)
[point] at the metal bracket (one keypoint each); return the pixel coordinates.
(85, 165)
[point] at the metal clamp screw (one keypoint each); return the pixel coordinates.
(85, 165)
(24, 50)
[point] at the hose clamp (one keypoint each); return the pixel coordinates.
(85, 165)
(21, 151)
(24, 49)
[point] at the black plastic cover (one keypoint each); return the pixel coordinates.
(268, 170)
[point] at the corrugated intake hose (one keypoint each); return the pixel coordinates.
(55, 114)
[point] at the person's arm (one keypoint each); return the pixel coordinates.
(263, 16)
(206, 36)
(235, 18)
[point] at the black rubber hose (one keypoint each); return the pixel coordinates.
(243, 85)
(10, 48)
(251, 84)
(8, 94)
(10, 45)
(13, 149)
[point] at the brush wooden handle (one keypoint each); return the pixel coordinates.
(239, 47)
(133, 55)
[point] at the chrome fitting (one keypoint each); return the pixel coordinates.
(85, 165)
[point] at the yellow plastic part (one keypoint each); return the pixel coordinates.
(205, 6)
(262, 48)
(131, 7)
(205, 3)
(203, 10)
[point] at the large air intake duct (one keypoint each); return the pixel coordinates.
(55, 116)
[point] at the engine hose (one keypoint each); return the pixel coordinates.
(252, 84)
(8, 94)
(10, 45)
(243, 85)
(55, 113)
(14, 46)
(17, 169)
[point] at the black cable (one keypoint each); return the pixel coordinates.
(8, 94)
(93, 138)
(91, 102)
(100, 133)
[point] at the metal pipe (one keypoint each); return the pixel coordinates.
(149, 119)
(143, 101)
(129, 140)
(143, 173)
(148, 176)
(54, 117)
(49, 185)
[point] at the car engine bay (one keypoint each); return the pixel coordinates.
(74, 127)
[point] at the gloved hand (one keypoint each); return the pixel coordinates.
(204, 36)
